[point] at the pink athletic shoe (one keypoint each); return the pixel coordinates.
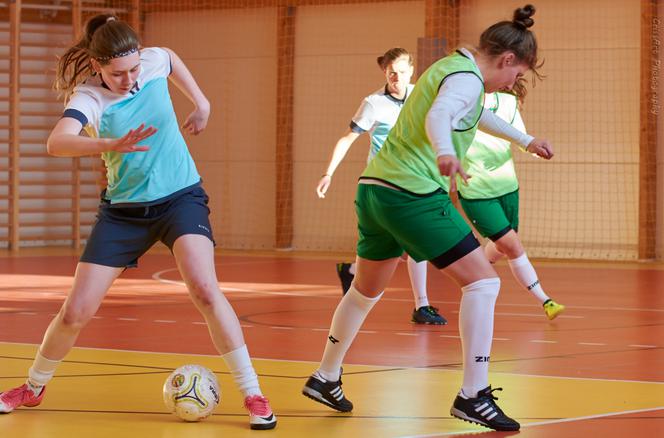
(260, 414)
(21, 396)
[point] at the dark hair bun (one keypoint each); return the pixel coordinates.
(522, 16)
(96, 22)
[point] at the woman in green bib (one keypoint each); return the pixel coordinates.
(490, 199)
(402, 204)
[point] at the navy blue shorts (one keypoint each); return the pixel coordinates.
(122, 234)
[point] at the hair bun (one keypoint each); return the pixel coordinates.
(522, 16)
(95, 23)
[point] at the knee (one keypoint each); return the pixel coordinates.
(74, 318)
(204, 293)
(512, 248)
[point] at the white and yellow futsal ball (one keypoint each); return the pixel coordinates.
(191, 392)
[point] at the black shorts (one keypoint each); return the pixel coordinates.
(122, 234)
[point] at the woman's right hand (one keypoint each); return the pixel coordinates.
(129, 142)
(323, 185)
(449, 165)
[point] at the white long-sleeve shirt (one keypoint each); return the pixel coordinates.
(457, 99)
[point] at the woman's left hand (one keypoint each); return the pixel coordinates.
(197, 120)
(540, 147)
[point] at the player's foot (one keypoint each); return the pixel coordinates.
(552, 309)
(346, 278)
(483, 410)
(21, 396)
(260, 413)
(428, 315)
(327, 393)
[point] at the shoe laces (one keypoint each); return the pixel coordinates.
(257, 405)
(490, 392)
(431, 310)
(21, 393)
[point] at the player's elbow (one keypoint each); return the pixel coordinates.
(53, 143)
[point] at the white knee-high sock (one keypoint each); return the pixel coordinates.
(348, 318)
(476, 330)
(418, 281)
(41, 372)
(239, 364)
(527, 277)
(492, 252)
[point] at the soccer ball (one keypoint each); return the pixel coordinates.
(191, 392)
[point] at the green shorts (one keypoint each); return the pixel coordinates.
(427, 227)
(494, 217)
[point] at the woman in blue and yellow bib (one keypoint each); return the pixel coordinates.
(118, 93)
(402, 204)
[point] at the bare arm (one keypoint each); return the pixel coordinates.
(338, 154)
(184, 80)
(65, 141)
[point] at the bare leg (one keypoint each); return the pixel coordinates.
(373, 276)
(91, 282)
(522, 269)
(194, 255)
(492, 253)
(195, 259)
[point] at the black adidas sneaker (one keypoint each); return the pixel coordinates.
(327, 393)
(483, 410)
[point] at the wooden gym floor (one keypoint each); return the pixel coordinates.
(597, 369)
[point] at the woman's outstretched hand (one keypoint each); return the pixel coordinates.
(129, 142)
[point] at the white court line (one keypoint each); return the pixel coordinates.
(309, 293)
(501, 339)
(157, 276)
(542, 341)
(127, 319)
(27, 313)
(165, 321)
(540, 423)
(642, 346)
(281, 328)
(407, 334)
(368, 332)
(591, 343)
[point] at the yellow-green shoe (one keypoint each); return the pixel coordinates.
(552, 309)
